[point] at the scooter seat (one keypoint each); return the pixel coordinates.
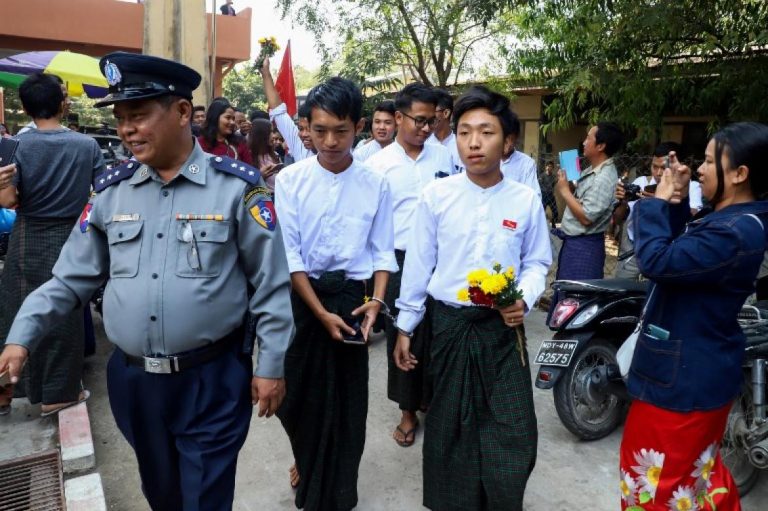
(602, 286)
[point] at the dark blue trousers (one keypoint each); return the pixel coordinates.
(186, 428)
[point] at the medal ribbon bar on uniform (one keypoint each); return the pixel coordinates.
(215, 218)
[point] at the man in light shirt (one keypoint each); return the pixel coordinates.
(517, 165)
(589, 208)
(626, 266)
(480, 433)
(300, 145)
(409, 165)
(336, 217)
(382, 129)
(442, 133)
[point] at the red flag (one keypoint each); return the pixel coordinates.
(284, 83)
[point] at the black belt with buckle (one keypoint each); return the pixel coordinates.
(169, 364)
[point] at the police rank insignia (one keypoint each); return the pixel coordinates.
(85, 218)
(264, 214)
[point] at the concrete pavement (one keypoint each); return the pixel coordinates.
(569, 474)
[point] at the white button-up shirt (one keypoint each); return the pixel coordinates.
(694, 199)
(407, 178)
(335, 221)
(290, 132)
(365, 151)
(460, 227)
(521, 168)
(449, 143)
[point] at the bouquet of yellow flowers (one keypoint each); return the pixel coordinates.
(497, 289)
(269, 47)
(491, 289)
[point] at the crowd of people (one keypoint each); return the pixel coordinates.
(235, 239)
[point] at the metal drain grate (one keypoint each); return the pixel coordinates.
(32, 483)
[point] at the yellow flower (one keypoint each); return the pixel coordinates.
(493, 284)
(463, 295)
(263, 40)
(510, 273)
(476, 277)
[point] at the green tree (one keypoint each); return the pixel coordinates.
(243, 87)
(434, 41)
(636, 61)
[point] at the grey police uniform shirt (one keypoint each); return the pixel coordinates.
(163, 297)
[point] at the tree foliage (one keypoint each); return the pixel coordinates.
(243, 88)
(432, 41)
(638, 60)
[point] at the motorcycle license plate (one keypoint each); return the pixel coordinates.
(556, 353)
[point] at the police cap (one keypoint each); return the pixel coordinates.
(133, 76)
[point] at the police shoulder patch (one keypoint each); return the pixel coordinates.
(236, 168)
(258, 201)
(115, 175)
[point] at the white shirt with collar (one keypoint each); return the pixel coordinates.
(521, 168)
(289, 131)
(449, 143)
(407, 178)
(335, 221)
(365, 151)
(694, 198)
(460, 227)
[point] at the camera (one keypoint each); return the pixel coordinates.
(631, 191)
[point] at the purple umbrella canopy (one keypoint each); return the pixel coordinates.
(80, 72)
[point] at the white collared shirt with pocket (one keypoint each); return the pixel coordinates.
(407, 178)
(335, 221)
(460, 227)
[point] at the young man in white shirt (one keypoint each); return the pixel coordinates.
(517, 165)
(409, 165)
(480, 431)
(382, 129)
(626, 266)
(442, 133)
(336, 217)
(298, 140)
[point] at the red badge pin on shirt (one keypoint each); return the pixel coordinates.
(509, 224)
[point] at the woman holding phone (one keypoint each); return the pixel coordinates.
(263, 152)
(686, 368)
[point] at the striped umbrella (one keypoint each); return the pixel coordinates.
(80, 72)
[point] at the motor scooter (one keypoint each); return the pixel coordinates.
(745, 443)
(591, 320)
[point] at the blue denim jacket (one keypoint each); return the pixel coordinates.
(702, 273)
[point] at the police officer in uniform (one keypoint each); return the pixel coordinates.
(191, 248)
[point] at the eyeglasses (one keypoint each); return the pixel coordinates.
(420, 122)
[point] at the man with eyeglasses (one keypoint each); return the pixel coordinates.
(409, 165)
(442, 133)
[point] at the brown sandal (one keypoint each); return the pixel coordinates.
(82, 398)
(410, 433)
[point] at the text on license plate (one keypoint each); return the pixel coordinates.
(556, 353)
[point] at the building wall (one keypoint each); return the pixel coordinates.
(98, 27)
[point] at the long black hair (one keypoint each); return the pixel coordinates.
(210, 128)
(259, 140)
(744, 143)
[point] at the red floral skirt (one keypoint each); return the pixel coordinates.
(671, 461)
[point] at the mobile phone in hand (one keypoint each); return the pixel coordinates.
(357, 337)
(5, 379)
(7, 150)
